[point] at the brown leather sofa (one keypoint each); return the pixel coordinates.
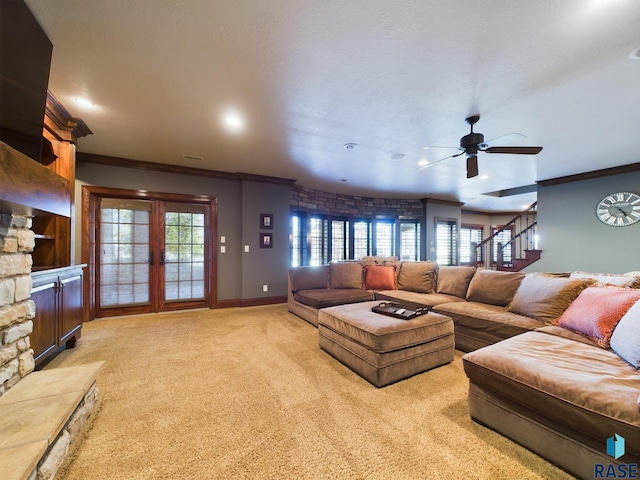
(548, 366)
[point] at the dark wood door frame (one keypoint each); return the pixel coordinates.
(91, 196)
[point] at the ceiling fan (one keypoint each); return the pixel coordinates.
(473, 142)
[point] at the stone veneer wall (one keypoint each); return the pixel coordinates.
(16, 309)
(309, 199)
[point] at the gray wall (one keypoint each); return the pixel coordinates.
(239, 203)
(265, 266)
(572, 238)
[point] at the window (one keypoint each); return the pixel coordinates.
(409, 240)
(318, 236)
(361, 238)
(296, 241)
(318, 239)
(470, 237)
(385, 238)
(446, 242)
(339, 240)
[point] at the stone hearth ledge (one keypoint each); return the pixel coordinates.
(41, 416)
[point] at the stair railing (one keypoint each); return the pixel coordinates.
(524, 225)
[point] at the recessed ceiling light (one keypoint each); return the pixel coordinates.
(397, 156)
(350, 146)
(423, 163)
(635, 55)
(233, 121)
(484, 177)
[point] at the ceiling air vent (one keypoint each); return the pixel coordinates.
(191, 157)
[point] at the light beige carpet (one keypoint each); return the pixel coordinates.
(247, 393)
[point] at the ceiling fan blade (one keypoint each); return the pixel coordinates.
(502, 139)
(440, 147)
(472, 166)
(514, 150)
(438, 161)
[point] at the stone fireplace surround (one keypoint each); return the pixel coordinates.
(41, 413)
(16, 308)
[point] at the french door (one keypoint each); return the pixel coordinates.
(151, 254)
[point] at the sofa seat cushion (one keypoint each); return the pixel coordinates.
(491, 319)
(416, 300)
(584, 388)
(329, 297)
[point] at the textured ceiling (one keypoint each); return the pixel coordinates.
(390, 76)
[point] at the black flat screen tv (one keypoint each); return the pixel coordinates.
(25, 60)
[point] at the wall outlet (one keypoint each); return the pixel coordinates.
(223, 249)
(223, 239)
(246, 248)
(265, 288)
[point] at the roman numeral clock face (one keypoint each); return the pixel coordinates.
(619, 209)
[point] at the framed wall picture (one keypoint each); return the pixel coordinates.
(266, 220)
(266, 240)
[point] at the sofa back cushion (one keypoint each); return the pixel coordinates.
(545, 297)
(346, 275)
(597, 311)
(606, 279)
(417, 277)
(379, 277)
(625, 340)
(454, 280)
(307, 278)
(494, 287)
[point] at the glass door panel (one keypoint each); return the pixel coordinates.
(124, 253)
(184, 252)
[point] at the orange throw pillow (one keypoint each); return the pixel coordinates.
(597, 311)
(379, 277)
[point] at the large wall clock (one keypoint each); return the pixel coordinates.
(619, 209)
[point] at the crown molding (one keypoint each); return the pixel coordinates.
(63, 120)
(176, 169)
(605, 172)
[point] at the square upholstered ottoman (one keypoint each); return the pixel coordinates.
(384, 349)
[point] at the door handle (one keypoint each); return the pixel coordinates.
(150, 258)
(162, 257)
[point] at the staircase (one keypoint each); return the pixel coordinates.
(513, 247)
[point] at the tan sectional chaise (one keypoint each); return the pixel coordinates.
(552, 360)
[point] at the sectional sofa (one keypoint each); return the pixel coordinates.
(552, 359)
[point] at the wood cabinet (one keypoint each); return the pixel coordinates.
(57, 294)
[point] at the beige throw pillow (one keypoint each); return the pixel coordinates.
(454, 280)
(417, 277)
(546, 297)
(346, 275)
(494, 287)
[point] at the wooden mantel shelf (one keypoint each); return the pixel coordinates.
(27, 187)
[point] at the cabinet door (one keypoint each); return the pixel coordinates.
(70, 309)
(44, 337)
